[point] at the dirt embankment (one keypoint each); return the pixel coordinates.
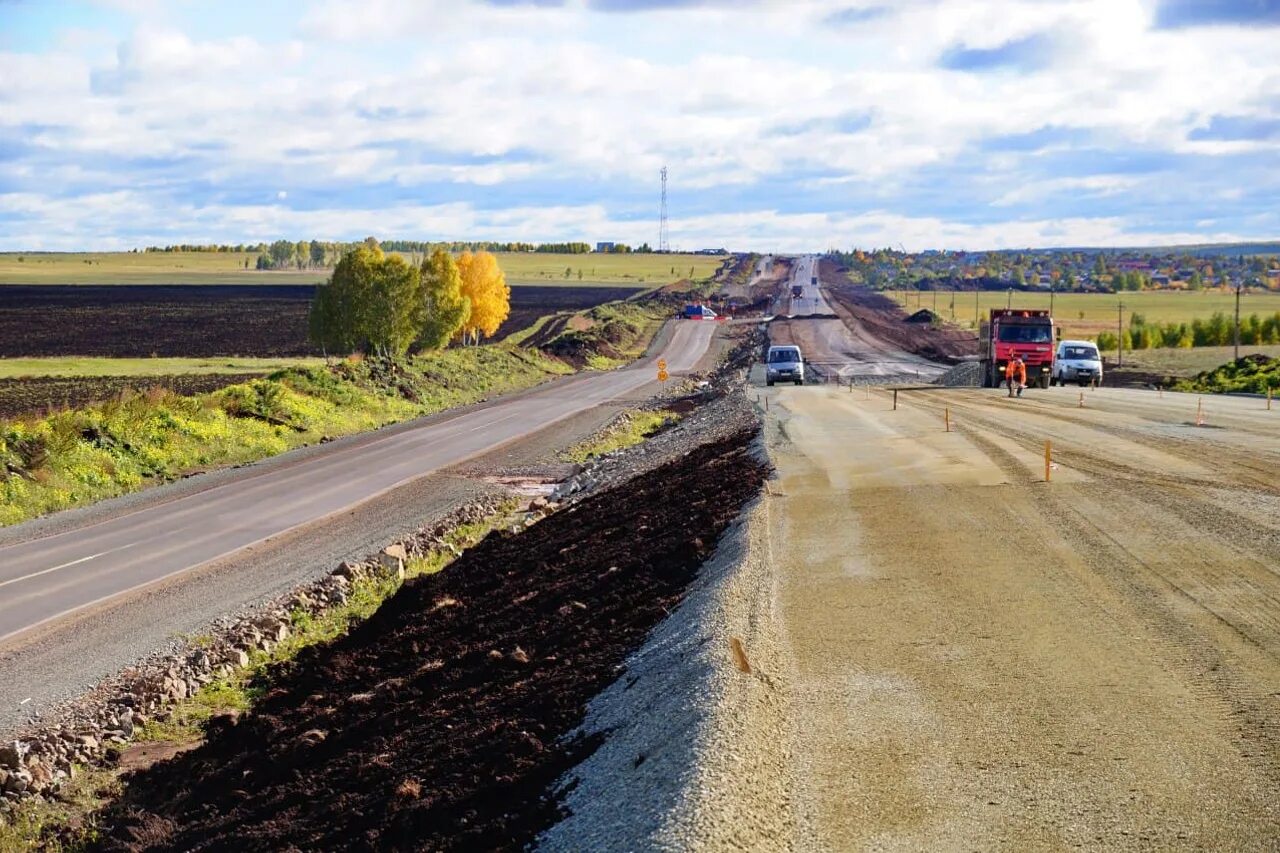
(442, 721)
(886, 320)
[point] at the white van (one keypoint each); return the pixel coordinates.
(1076, 361)
(784, 364)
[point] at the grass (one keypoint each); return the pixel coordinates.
(228, 268)
(25, 368)
(37, 824)
(1184, 362)
(78, 456)
(612, 334)
(629, 429)
(144, 268)
(40, 824)
(1244, 376)
(640, 270)
(1084, 315)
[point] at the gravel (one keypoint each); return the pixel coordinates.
(966, 375)
(683, 725)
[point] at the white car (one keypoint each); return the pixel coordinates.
(784, 364)
(1077, 361)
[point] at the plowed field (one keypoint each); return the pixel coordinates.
(205, 320)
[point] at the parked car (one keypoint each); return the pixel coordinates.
(1077, 361)
(784, 364)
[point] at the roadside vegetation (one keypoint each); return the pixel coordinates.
(21, 368)
(610, 335)
(1250, 374)
(627, 430)
(81, 455)
(1217, 331)
(377, 307)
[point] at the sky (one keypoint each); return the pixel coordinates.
(785, 126)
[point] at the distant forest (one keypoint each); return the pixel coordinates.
(321, 254)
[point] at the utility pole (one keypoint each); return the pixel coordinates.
(1238, 284)
(977, 312)
(1051, 292)
(1120, 334)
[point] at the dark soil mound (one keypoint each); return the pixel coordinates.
(440, 722)
(924, 315)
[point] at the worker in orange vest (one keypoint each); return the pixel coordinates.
(1017, 375)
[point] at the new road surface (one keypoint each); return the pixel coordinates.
(52, 577)
(982, 660)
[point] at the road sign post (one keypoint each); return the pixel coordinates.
(663, 376)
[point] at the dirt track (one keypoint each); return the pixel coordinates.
(880, 321)
(981, 660)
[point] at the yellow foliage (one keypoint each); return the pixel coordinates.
(484, 283)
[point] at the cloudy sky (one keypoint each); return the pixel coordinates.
(787, 125)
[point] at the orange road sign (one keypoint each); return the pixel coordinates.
(662, 364)
(662, 375)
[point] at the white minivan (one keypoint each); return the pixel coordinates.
(784, 364)
(1077, 361)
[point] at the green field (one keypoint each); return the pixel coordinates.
(640, 270)
(1083, 315)
(23, 368)
(228, 268)
(143, 268)
(1184, 362)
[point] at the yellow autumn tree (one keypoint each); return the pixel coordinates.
(485, 285)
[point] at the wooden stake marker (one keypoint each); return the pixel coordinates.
(1048, 460)
(739, 656)
(946, 418)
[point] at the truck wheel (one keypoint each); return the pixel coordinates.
(769, 382)
(1044, 381)
(799, 381)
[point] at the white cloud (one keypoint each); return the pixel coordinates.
(513, 100)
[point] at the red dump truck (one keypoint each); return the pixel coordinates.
(1013, 331)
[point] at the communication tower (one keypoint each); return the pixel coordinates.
(663, 241)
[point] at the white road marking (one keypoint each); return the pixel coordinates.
(66, 565)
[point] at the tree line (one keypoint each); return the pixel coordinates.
(1217, 331)
(322, 254)
(382, 304)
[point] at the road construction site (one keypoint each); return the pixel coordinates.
(980, 647)
(948, 619)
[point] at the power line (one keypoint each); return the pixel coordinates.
(663, 242)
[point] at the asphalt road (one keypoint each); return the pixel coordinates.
(833, 347)
(49, 578)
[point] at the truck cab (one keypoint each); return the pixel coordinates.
(1077, 361)
(1016, 332)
